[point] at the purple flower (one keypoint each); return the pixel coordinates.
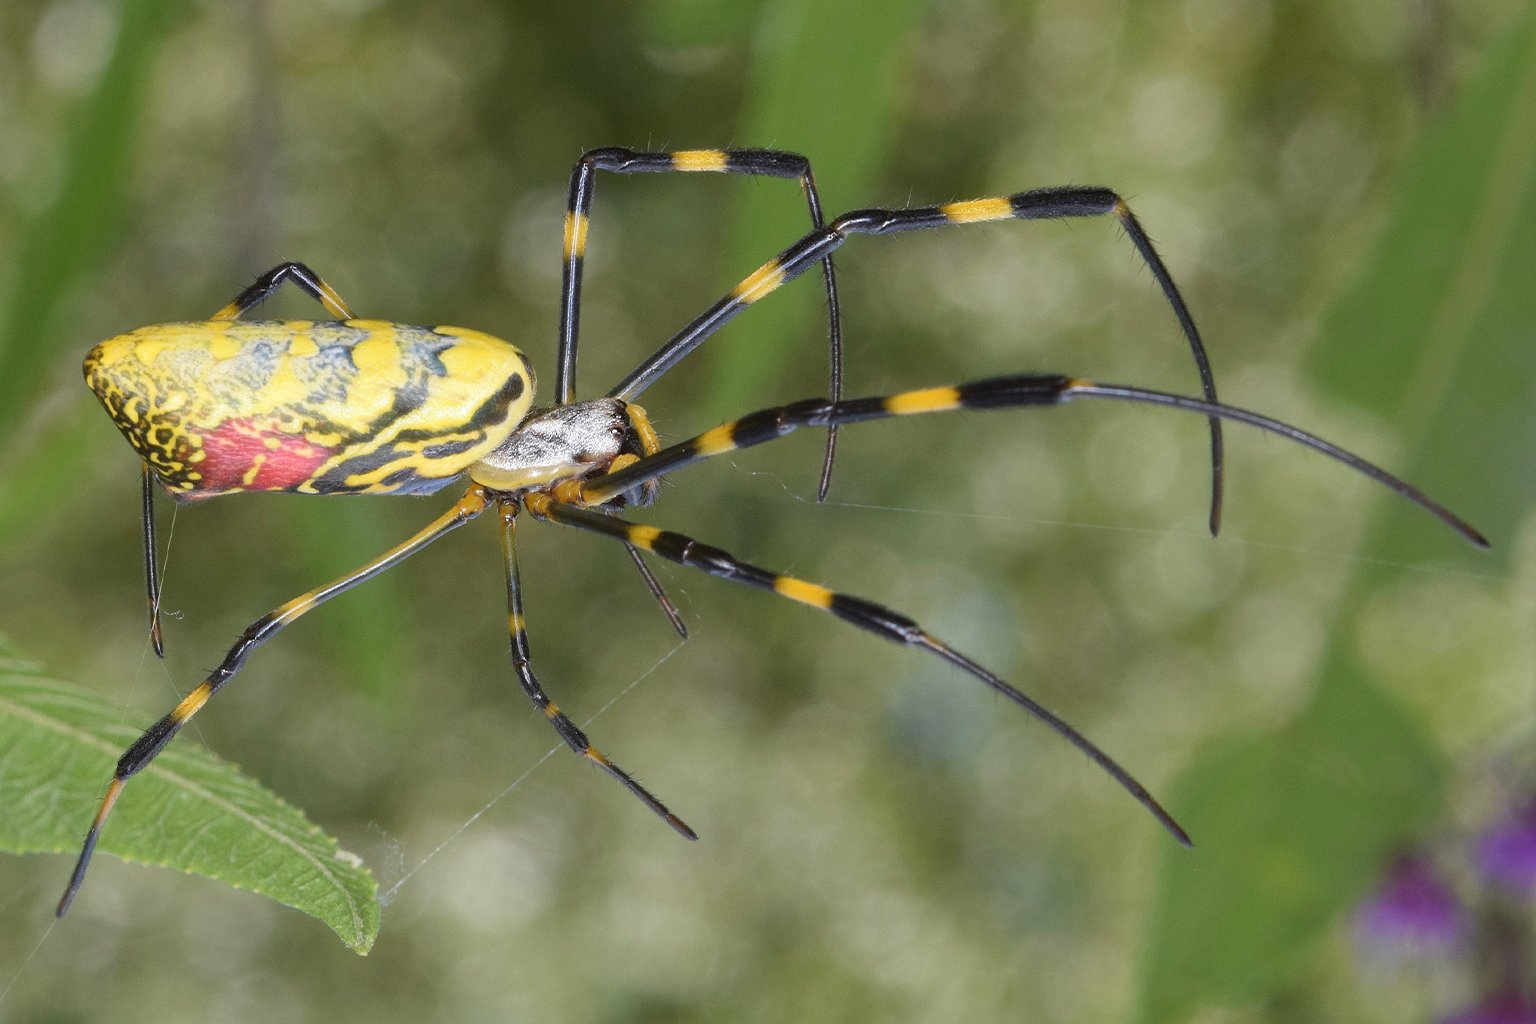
(1506, 853)
(1413, 911)
(1504, 1009)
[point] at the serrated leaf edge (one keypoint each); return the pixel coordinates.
(187, 785)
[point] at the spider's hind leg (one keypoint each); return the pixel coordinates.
(302, 277)
(154, 739)
(151, 566)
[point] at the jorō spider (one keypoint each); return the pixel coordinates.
(355, 406)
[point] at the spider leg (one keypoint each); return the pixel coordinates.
(143, 751)
(1038, 204)
(568, 730)
(867, 615)
(258, 292)
(770, 163)
(995, 393)
(650, 444)
(151, 567)
(272, 280)
(654, 586)
(751, 162)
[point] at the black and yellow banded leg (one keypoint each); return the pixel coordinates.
(521, 663)
(146, 747)
(1039, 204)
(259, 291)
(867, 615)
(263, 287)
(768, 163)
(305, 279)
(312, 284)
(995, 393)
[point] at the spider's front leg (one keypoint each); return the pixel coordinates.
(766, 163)
(1038, 204)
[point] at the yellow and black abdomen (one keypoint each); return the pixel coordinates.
(312, 407)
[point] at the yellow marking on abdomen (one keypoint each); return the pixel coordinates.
(977, 209)
(699, 160)
(762, 281)
(192, 702)
(805, 593)
(256, 464)
(551, 710)
(713, 442)
(221, 345)
(926, 400)
(575, 234)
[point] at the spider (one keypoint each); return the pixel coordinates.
(355, 406)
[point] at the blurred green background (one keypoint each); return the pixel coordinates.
(882, 839)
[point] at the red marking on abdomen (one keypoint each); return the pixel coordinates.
(237, 445)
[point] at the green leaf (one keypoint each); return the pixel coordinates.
(1436, 337)
(188, 810)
